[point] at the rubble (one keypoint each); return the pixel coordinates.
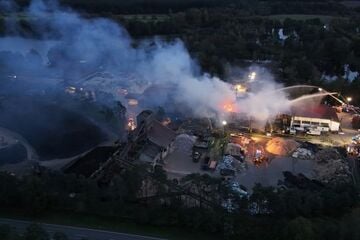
(237, 188)
(231, 163)
(331, 167)
(184, 143)
(303, 153)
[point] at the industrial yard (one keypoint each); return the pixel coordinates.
(196, 119)
(239, 148)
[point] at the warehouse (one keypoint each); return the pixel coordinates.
(321, 118)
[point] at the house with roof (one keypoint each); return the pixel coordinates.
(321, 117)
(158, 141)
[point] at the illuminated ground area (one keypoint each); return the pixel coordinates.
(287, 155)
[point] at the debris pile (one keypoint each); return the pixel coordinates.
(237, 188)
(303, 153)
(235, 150)
(281, 146)
(231, 163)
(184, 143)
(331, 167)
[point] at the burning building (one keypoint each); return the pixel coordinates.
(159, 139)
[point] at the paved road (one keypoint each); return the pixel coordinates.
(76, 233)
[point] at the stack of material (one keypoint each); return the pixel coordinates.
(303, 153)
(231, 163)
(281, 146)
(331, 167)
(184, 143)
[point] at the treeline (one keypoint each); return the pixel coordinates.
(166, 6)
(310, 50)
(313, 50)
(312, 211)
(230, 36)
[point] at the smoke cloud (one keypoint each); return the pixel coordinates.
(72, 47)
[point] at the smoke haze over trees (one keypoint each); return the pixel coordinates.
(317, 49)
(153, 62)
(163, 6)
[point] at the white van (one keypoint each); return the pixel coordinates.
(314, 132)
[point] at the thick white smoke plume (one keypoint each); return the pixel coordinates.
(85, 44)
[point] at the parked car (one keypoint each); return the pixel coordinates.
(314, 132)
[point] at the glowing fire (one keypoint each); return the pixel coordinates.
(229, 107)
(131, 124)
(166, 121)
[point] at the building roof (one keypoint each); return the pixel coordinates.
(145, 113)
(319, 111)
(151, 150)
(160, 134)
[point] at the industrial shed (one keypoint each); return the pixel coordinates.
(320, 117)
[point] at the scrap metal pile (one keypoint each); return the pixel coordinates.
(331, 166)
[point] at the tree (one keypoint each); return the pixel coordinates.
(299, 229)
(5, 232)
(35, 232)
(60, 236)
(350, 225)
(35, 195)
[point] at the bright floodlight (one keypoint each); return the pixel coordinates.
(349, 99)
(320, 89)
(252, 76)
(224, 123)
(240, 88)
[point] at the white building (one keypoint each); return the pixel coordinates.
(320, 118)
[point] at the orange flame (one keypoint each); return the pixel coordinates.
(229, 107)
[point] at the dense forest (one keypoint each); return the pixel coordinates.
(164, 6)
(308, 211)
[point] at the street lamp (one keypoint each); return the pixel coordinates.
(349, 99)
(224, 123)
(320, 89)
(252, 76)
